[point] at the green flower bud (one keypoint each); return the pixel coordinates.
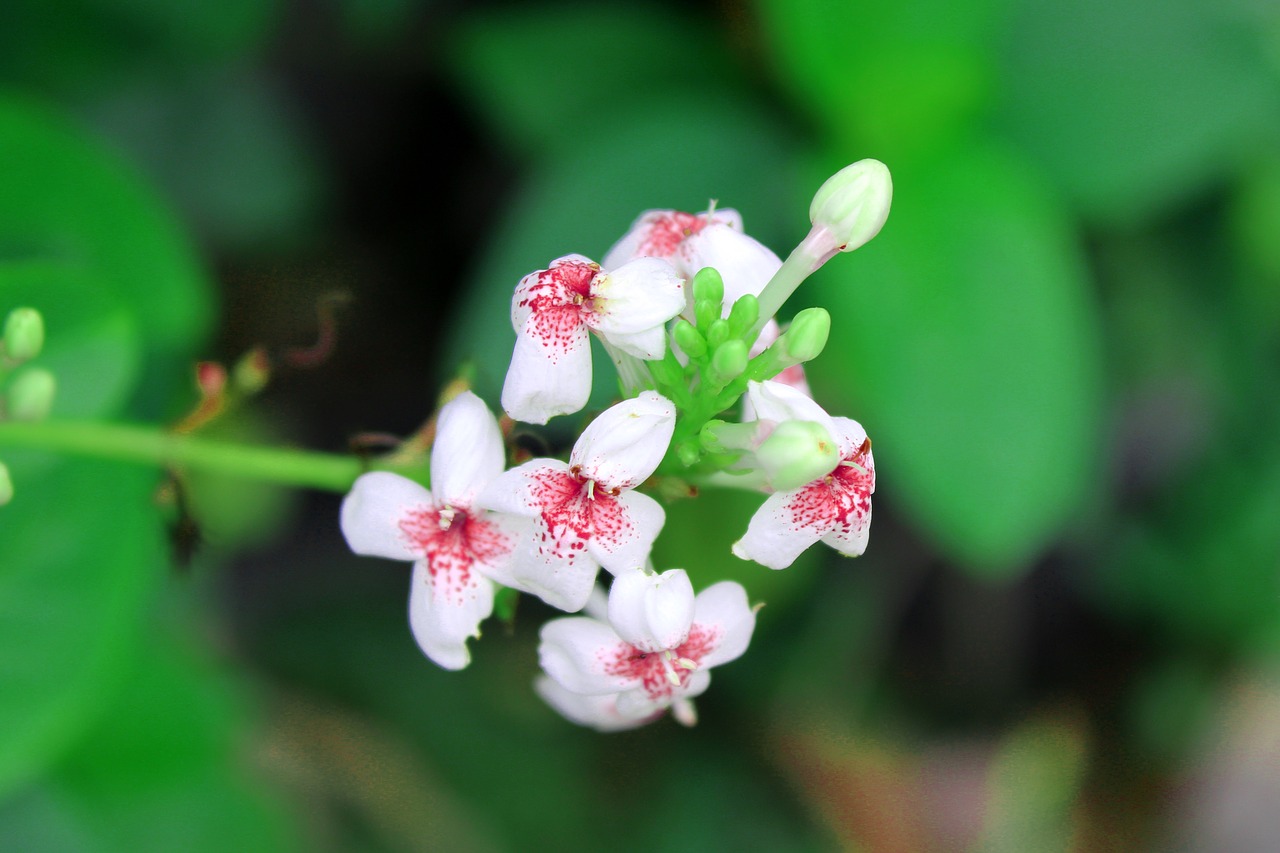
(6, 485)
(689, 339)
(853, 203)
(30, 394)
(708, 286)
(806, 335)
(796, 453)
(743, 315)
(728, 362)
(717, 332)
(23, 334)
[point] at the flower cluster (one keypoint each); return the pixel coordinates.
(713, 393)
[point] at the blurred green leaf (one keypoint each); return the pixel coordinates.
(166, 768)
(1136, 106)
(1034, 782)
(965, 340)
(894, 77)
(547, 75)
(65, 199)
(584, 198)
(79, 557)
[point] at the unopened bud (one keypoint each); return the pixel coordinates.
(23, 334)
(743, 315)
(689, 339)
(708, 286)
(728, 362)
(806, 335)
(6, 485)
(211, 378)
(796, 453)
(30, 396)
(853, 203)
(251, 373)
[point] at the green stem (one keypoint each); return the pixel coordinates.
(154, 446)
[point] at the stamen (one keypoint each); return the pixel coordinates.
(849, 463)
(687, 663)
(446, 517)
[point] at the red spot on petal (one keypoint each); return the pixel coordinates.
(559, 300)
(653, 669)
(573, 513)
(839, 501)
(667, 231)
(451, 546)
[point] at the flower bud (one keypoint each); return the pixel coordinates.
(23, 334)
(853, 203)
(743, 315)
(6, 485)
(650, 611)
(708, 286)
(796, 453)
(728, 362)
(252, 372)
(30, 396)
(689, 339)
(806, 335)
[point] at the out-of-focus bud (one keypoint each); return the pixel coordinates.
(251, 373)
(6, 485)
(23, 334)
(796, 453)
(30, 396)
(806, 336)
(853, 203)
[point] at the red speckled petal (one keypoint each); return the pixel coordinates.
(580, 653)
(774, 538)
(723, 612)
(446, 605)
(624, 529)
(550, 372)
(372, 511)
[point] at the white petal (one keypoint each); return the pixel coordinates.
(853, 541)
(773, 537)
(580, 653)
(550, 372)
(445, 611)
(850, 436)
(744, 263)
(518, 491)
(372, 512)
(638, 295)
(650, 344)
(660, 233)
(597, 712)
(650, 611)
(625, 529)
(723, 608)
(507, 535)
(624, 445)
(538, 289)
(467, 452)
(778, 402)
(554, 571)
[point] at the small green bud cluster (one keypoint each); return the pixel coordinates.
(28, 391)
(717, 347)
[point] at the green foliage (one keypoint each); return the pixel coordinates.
(970, 349)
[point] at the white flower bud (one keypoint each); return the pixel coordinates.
(650, 611)
(853, 203)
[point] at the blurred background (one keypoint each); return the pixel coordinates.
(1065, 343)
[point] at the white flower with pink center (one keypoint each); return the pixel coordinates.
(712, 239)
(585, 512)
(834, 508)
(653, 654)
(555, 310)
(457, 549)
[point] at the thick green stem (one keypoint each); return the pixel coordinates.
(154, 446)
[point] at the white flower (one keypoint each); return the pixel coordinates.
(619, 679)
(585, 512)
(457, 550)
(834, 508)
(553, 312)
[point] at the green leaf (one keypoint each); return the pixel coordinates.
(163, 770)
(1134, 107)
(63, 198)
(964, 340)
(547, 76)
(894, 77)
(80, 547)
